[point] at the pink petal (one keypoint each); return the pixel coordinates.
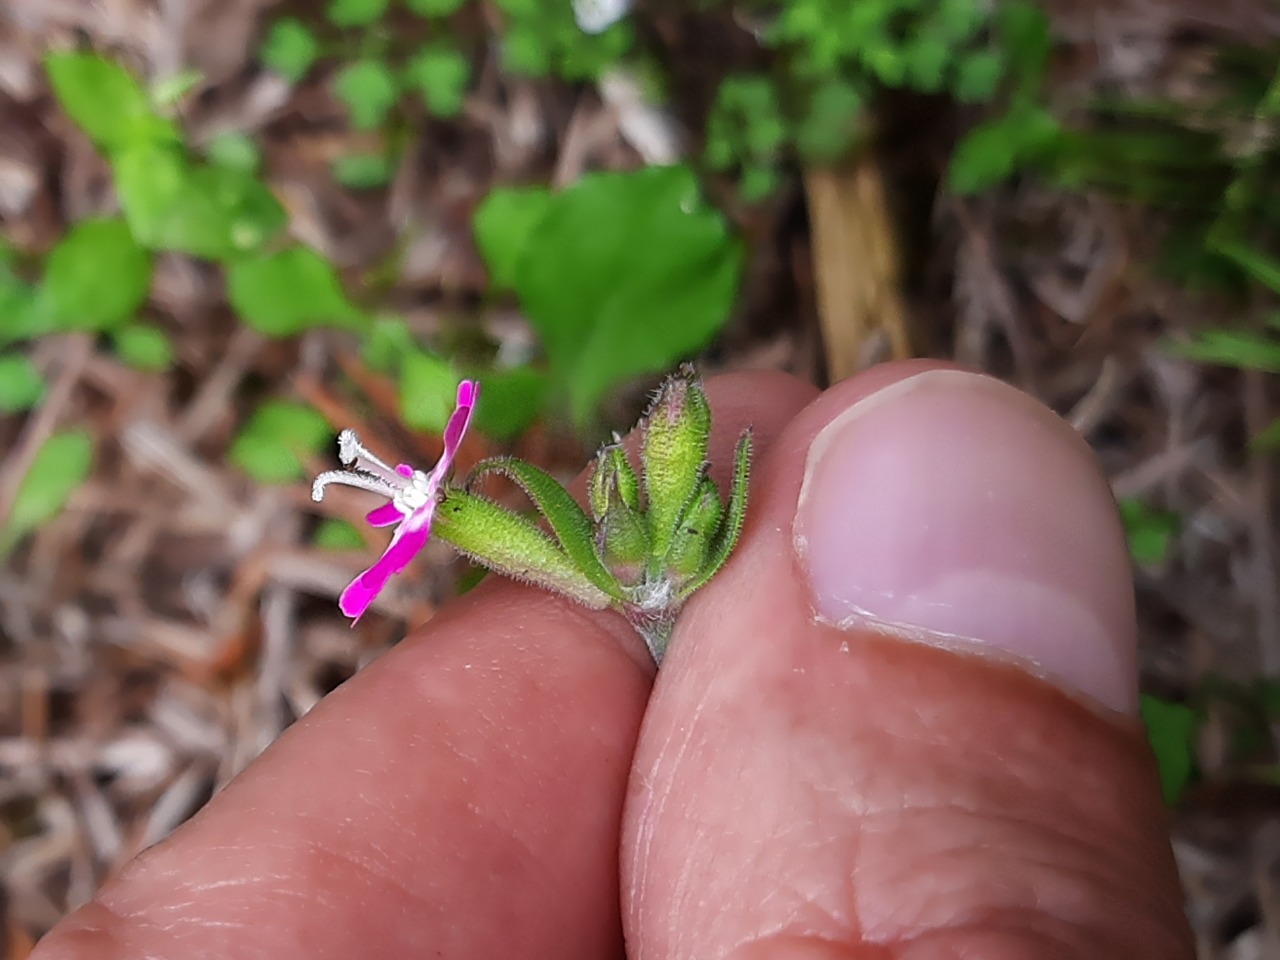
(385, 515)
(405, 545)
(459, 422)
(404, 470)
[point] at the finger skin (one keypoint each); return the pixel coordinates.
(808, 792)
(459, 798)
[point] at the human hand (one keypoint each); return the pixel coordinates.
(802, 787)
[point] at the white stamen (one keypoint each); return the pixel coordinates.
(351, 478)
(353, 453)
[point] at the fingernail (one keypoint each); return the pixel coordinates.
(954, 509)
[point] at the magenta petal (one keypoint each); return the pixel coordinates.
(459, 422)
(404, 470)
(385, 515)
(405, 545)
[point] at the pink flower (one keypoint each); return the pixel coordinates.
(412, 497)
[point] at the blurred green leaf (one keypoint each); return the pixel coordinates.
(435, 8)
(355, 13)
(105, 101)
(290, 49)
(1231, 348)
(235, 150)
(96, 278)
(428, 387)
(20, 315)
(213, 212)
(512, 399)
(369, 89)
(144, 347)
(441, 75)
(21, 385)
(363, 171)
(278, 439)
(336, 534)
(173, 89)
(994, 151)
(281, 294)
(1150, 532)
(389, 341)
(58, 470)
(1269, 439)
(1171, 731)
(625, 274)
(978, 76)
(503, 223)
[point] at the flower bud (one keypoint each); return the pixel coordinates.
(676, 436)
(623, 539)
(613, 481)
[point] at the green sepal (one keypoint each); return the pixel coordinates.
(731, 527)
(568, 521)
(512, 545)
(676, 436)
(696, 533)
(613, 480)
(622, 538)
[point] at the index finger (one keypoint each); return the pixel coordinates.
(461, 797)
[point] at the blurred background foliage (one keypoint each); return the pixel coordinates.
(496, 232)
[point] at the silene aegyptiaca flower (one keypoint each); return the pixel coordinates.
(412, 497)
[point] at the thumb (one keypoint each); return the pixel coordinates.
(901, 723)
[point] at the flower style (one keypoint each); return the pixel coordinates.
(412, 495)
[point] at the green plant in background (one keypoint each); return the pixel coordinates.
(543, 38)
(61, 467)
(1171, 731)
(621, 274)
(1150, 531)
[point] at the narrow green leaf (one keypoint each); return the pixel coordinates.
(96, 278)
(568, 521)
(1171, 731)
(511, 545)
(59, 469)
(1231, 348)
(735, 517)
(696, 532)
(282, 294)
(21, 385)
(105, 101)
(173, 89)
(613, 480)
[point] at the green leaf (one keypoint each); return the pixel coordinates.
(978, 76)
(284, 293)
(1024, 34)
(363, 171)
(278, 439)
(21, 385)
(235, 150)
(568, 521)
(1150, 532)
(355, 13)
(428, 387)
(21, 316)
(513, 399)
(625, 274)
(511, 545)
(1171, 731)
(290, 49)
(173, 89)
(105, 101)
(503, 224)
(441, 74)
(1260, 267)
(369, 89)
(58, 470)
(213, 212)
(1232, 348)
(335, 534)
(736, 515)
(995, 150)
(389, 342)
(1268, 439)
(96, 278)
(144, 347)
(435, 8)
